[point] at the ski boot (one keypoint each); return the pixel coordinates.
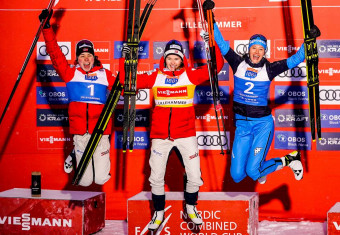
(193, 215)
(293, 160)
(156, 220)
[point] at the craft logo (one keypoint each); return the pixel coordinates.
(330, 141)
(42, 54)
(158, 49)
(26, 221)
(241, 47)
(211, 140)
(142, 118)
(171, 80)
(52, 95)
(204, 95)
(328, 48)
(91, 77)
(172, 92)
(329, 94)
(141, 140)
(295, 74)
(142, 97)
(52, 117)
(47, 73)
(251, 73)
(53, 139)
(292, 140)
(330, 118)
(291, 118)
(291, 95)
(143, 49)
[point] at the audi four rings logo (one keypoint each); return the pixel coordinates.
(241, 47)
(211, 140)
(329, 94)
(142, 97)
(43, 55)
(297, 72)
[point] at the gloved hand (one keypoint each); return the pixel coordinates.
(208, 5)
(314, 32)
(45, 14)
(125, 50)
(205, 36)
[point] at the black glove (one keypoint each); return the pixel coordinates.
(314, 32)
(125, 50)
(45, 14)
(208, 5)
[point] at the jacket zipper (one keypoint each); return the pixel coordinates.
(87, 114)
(169, 137)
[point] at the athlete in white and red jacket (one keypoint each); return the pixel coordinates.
(173, 123)
(88, 84)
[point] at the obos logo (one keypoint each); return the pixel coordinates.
(142, 97)
(212, 140)
(292, 140)
(329, 94)
(295, 74)
(43, 55)
(241, 47)
(330, 118)
(291, 95)
(52, 95)
(141, 140)
(204, 95)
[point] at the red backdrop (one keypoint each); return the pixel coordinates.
(26, 146)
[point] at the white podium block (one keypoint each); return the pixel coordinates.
(223, 213)
(55, 212)
(333, 220)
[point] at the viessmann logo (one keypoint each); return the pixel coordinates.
(53, 139)
(172, 92)
(26, 221)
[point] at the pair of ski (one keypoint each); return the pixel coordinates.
(208, 26)
(311, 32)
(112, 100)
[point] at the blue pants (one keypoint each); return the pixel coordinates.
(253, 137)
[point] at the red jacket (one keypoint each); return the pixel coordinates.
(82, 116)
(173, 122)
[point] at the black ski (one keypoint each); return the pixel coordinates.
(213, 74)
(105, 115)
(98, 131)
(135, 30)
(311, 32)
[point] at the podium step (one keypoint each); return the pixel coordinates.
(222, 213)
(333, 220)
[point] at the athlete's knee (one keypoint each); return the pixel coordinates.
(253, 173)
(102, 180)
(85, 182)
(237, 175)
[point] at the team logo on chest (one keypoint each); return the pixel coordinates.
(171, 80)
(251, 73)
(91, 77)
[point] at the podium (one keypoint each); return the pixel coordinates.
(55, 212)
(222, 213)
(333, 220)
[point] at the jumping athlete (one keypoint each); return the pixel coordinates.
(87, 85)
(254, 133)
(173, 124)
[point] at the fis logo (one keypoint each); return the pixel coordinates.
(257, 150)
(251, 73)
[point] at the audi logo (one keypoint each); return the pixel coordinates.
(242, 49)
(64, 49)
(294, 73)
(142, 95)
(330, 95)
(211, 140)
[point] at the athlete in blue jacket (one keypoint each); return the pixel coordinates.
(253, 74)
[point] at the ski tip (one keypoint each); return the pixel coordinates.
(313, 140)
(130, 150)
(124, 151)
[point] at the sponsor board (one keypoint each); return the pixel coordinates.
(52, 117)
(52, 95)
(329, 141)
(53, 139)
(143, 49)
(102, 49)
(292, 118)
(291, 95)
(284, 48)
(142, 118)
(210, 140)
(329, 71)
(296, 74)
(203, 95)
(292, 140)
(330, 118)
(141, 140)
(47, 73)
(42, 54)
(206, 118)
(328, 48)
(142, 97)
(329, 94)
